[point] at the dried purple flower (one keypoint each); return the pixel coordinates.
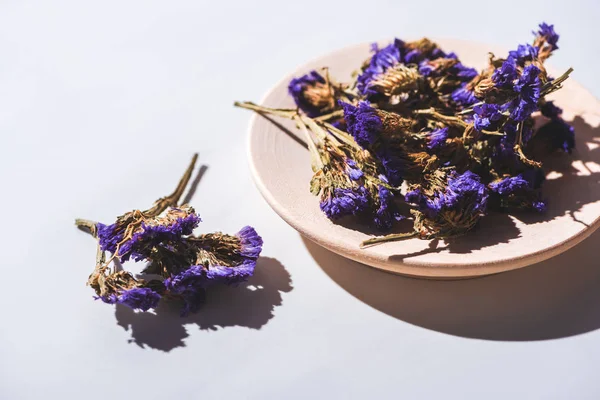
(222, 259)
(166, 230)
(486, 115)
(313, 94)
(379, 63)
(528, 89)
(387, 212)
(109, 236)
(464, 72)
(364, 124)
(547, 33)
(341, 202)
(464, 96)
(437, 139)
(506, 74)
(525, 52)
(367, 127)
(250, 243)
(139, 298)
(517, 192)
(353, 170)
(509, 185)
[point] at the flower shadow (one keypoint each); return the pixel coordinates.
(556, 298)
(249, 305)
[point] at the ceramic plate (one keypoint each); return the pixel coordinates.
(281, 168)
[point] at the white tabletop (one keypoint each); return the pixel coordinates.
(101, 106)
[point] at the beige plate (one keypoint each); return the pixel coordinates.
(281, 169)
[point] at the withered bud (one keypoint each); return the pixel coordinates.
(394, 123)
(424, 45)
(396, 80)
(481, 85)
(321, 96)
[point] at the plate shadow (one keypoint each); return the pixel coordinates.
(553, 299)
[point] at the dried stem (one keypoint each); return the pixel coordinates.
(87, 225)
(315, 156)
(172, 200)
(388, 238)
(281, 112)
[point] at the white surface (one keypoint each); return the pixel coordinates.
(101, 106)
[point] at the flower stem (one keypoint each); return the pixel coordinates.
(442, 117)
(87, 225)
(315, 156)
(281, 112)
(556, 84)
(388, 238)
(172, 200)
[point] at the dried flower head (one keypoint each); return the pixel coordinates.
(182, 265)
(314, 93)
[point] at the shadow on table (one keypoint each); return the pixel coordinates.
(556, 298)
(249, 305)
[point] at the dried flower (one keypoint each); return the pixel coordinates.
(185, 264)
(379, 63)
(463, 142)
(506, 74)
(313, 94)
(516, 192)
(546, 33)
(485, 115)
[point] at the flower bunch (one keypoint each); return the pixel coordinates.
(417, 134)
(180, 265)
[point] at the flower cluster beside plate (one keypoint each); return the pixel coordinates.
(281, 168)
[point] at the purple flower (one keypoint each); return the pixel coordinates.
(550, 110)
(525, 52)
(506, 74)
(342, 202)
(463, 96)
(139, 298)
(366, 127)
(190, 285)
(528, 89)
(363, 123)
(353, 170)
(231, 275)
(426, 68)
(387, 212)
(485, 115)
(223, 259)
(464, 72)
(152, 235)
(109, 236)
(379, 63)
(558, 134)
(464, 194)
(528, 85)
(250, 242)
(520, 109)
(313, 107)
(413, 56)
(518, 191)
(539, 206)
(547, 32)
(437, 139)
(509, 185)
